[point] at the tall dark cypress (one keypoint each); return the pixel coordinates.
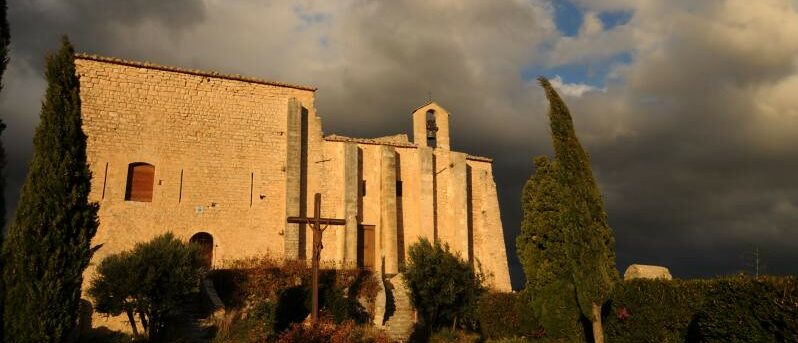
(590, 241)
(5, 39)
(48, 243)
(566, 245)
(543, 248)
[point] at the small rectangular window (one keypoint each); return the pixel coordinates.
(398, 188)
(362, 188)
(140, 180)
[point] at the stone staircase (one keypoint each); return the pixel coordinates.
(400, 315)
(197, 318)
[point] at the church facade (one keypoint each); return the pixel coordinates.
(224, 160)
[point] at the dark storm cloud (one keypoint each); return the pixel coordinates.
(692, 137)
(703, 168)
(36, 27)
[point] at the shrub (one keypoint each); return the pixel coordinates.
(733, 309)
(653, 310)
(153, 280)
(284, 288)
(443, 288)
(750, 310)
(328, 332)
(505, 315)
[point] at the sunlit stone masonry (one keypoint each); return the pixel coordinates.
(223, 160)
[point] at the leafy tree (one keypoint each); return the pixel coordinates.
(114, 287)
(151, 280)
(5, 39)
(565, 233)
(443, 288)
(48, 243)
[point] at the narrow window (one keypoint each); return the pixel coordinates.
(105, 179)
(432, 129)
(140, 180)
(362, 188)
(180, 195)
(398, 188)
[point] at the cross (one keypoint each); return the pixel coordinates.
(318, 224)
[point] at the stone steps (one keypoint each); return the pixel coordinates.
(400, 322)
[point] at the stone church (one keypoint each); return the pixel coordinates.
(223, 160)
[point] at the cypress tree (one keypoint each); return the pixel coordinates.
(5, 39)
(566, 244)
(48, 243)
(590, 241)
(543, 250)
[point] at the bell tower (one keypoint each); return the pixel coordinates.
(431, 126)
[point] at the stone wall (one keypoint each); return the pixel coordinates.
(234, 156)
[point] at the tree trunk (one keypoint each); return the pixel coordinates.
(132, 320)
(143, 321)
(598, 330)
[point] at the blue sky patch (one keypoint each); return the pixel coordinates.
(590, 73)
(613, 19)
(568, 17)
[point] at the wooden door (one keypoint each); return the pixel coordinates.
(365, 246)
(205, 242)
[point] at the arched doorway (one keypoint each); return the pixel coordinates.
(205, 241)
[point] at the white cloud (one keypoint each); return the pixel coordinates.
(572, 89)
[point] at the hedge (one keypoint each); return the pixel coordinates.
(729, 309)
(750, 310)
(732, 309)
(653, 310)
(503, 315)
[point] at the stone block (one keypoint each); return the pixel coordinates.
(642, 271)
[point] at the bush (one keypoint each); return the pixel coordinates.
(506, 315)
(284, 289)
(750, 310)
(150, 281)
(443, 288)
(734, 309)
(328, 332)
(653, 310)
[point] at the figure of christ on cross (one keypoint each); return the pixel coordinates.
(318, 224)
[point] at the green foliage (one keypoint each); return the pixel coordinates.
(761, 309)
(736, 309)
(591, 244)
(505, 315)
(48, 242)
(151, 280)
(566, 246)
(654, 310)
(115, 285)
(543, 249)
(444, 289)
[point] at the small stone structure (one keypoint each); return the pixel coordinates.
(642, 271)
(225, 159)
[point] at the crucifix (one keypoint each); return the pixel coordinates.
(318, 224)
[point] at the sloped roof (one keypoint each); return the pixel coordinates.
(148, 65)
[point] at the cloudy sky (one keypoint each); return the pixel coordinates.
(689, 109)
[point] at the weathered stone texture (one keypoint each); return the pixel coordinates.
(234, 156)
(642, 271)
